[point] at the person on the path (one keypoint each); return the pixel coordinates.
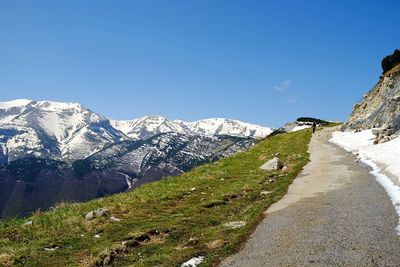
(314, 125)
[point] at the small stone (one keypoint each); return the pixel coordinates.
(112, 218)
(312, 259)
(194, 188)
(265, 193)
(96, 236)
(28, 223)
(235, 224)
(284, 169)
(51, 248)
(96, 214)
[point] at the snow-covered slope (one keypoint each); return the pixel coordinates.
(220, 126)
(146, 127)
(54, 130)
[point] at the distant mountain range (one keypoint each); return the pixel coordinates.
(53, 151)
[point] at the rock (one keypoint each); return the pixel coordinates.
(235, 224)
(273, 164)
(384, 139)
(112, 218)
(51, 248)
(284, 169)
(28, 223)
(265, 193)
(377, 131)
(96, 214)
(96, 236)
(380, 107)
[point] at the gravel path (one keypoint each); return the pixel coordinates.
(335, 214)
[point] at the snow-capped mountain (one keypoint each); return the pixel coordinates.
(220, 126)
(53, 151)
(145, 127)
(64, 131)
(148, 126)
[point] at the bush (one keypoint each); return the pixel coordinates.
(308, 119)
(390, 61)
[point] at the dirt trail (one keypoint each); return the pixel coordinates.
(335, 214)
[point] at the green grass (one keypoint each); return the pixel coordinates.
(188, 212)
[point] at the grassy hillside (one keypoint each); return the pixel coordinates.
(163, 223)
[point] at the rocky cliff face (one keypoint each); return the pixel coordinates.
(380, 107)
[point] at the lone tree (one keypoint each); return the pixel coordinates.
(390, 61)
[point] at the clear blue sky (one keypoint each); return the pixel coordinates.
(265, 62)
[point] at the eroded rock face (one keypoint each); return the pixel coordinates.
(380, 107)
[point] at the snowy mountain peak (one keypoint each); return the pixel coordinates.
(69, 131)
(145, 127)
(54, 130)
(222, 126)
(148, 126)
(14, 103)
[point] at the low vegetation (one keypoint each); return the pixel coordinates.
(163, 223)
(308, 119)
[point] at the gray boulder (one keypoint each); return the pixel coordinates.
(96, 214)
(273, 164)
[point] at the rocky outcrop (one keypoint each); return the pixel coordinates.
(380, 107)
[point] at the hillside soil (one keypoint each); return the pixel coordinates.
(335, 214)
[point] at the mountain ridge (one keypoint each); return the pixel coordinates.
(54, 151)
(69, 131)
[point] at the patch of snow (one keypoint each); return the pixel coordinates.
(386, 155)
(300, 127)
(193, 262)
(128, 179)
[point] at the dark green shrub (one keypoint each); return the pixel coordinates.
(390, 61)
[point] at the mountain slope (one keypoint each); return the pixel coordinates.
(380, 107)
(145, 127)
(164, 223)
(55, 130)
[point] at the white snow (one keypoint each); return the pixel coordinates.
(300, 127)
(14, 103)
(127, 179)
(224, 126)
(193, 262)
(150, 125)
(78, 132)
(385, 156)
